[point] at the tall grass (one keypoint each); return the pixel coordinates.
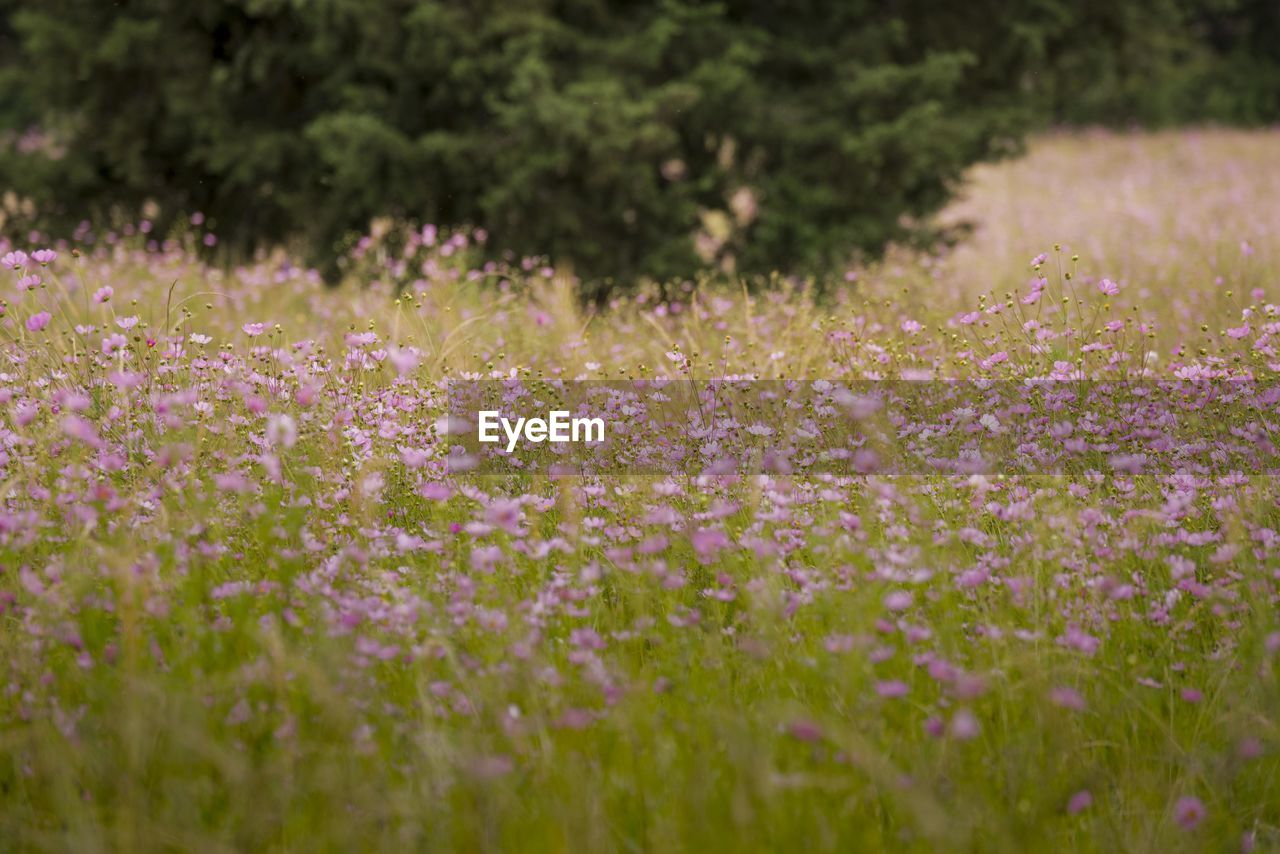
(243, 605)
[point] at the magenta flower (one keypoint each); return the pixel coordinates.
(44, 256)
(1080, 802)
(103, 294)
(1108, 287)
(38, 321)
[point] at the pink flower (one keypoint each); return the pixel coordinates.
(282, 430)
(114, 342)
(1188, 812)
(103, 294)
(505, 514)
(708, 541)
(1067, 698)
(404, 359)
(1108, 287)
(964, 726)
(805, 730)
(80, 429)
(994, 359)
(44, 256)
(38, 321)
(14, 260)
(413, 458)
(898, 600)
(1080, 802)
(892, 689)
(253, 330)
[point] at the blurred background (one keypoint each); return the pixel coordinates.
(623, 140)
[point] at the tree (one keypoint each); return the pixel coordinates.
(604, 132)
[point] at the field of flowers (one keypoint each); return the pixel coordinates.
(244, 604)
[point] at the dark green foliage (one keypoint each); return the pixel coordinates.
(1162, 62)
(603, 132)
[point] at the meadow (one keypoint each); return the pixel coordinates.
(244, 605)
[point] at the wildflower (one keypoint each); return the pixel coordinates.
(1108, 287)
(1272, 643)
(282, 430)
(44, 257)
(413, 458)
(1188, 812)
(113, 343)
(1249, 748)
(964, 726)
(404, 359)
(803, 729)
(898, 600)
(38, 321)
(506, 515)
(1080, 802)
(103, 294)
(708, 541)
(253, 330)
(15, 260)
(436, 491)
(80, 429)
(994, 359)
(1067, 698)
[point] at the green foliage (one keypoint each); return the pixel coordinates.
(1162, 62)
(626, 138)
(604, 133)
